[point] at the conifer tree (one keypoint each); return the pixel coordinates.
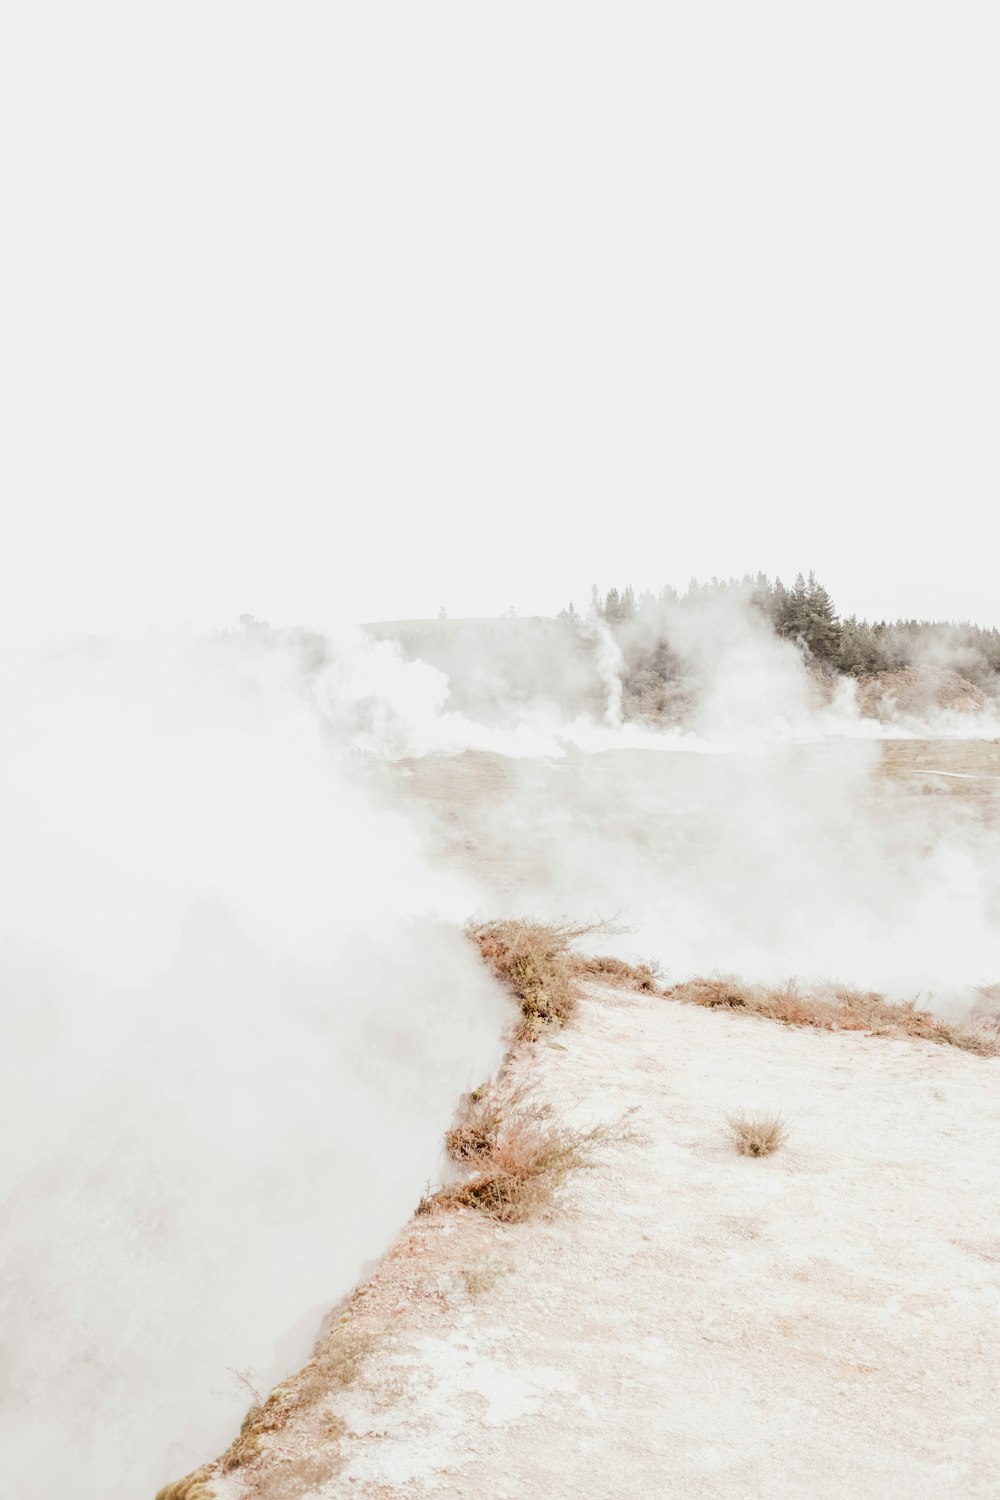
(822, 628)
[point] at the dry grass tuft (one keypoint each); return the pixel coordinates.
(336, 1365)
(535, 960)
(194, 1486)
(477, 1280)
(756, 1135)
(480, 1120)
(516, 1154)
(617, 971)
(835, 1010)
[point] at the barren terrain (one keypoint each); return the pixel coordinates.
(685, 1321)
(682, 1320)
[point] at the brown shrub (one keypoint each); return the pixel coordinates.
(194, 1486)
(535, 961)
(756, 1135)
(519, 1156)
(617, 971)
(837, 1010)
(480, 1119)
(336, 1364)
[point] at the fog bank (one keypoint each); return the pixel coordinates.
(757, 834)
(241, 1008)
(239, 1016)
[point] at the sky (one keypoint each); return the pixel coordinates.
(351, 311)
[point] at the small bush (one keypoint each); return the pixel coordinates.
(481, 1117)
(477, 1281)
(617, 971)
(837, 1009)
(756, 1135)
(194, 1486)
(336, 1364)
(518, 1156)
(535, 961)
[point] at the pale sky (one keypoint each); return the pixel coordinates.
(323, 310)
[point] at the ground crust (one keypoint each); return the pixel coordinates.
(686, 1322)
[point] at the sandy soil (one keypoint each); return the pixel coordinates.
(686, 1322)
(968, 770)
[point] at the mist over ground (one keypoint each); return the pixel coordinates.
(242, 1007)
(748, 829)
(239, 1015)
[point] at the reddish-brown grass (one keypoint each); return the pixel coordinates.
(193, 1486)
(536, 962)
(336, 1364)
(514, 1153)
(838, 1009)
(539, 965)
(609, 970)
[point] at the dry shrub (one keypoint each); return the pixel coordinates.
(617, 971)
(536, 962)
(336, 1364)
(194, 1486)
(756, 1135)
(480, 1119)
(517, 1155)
(477, 1280)
(837, 1010)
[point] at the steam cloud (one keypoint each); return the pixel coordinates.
(754, 837)
(238, 1022)
(240, 1005)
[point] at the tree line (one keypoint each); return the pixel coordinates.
(806, 615)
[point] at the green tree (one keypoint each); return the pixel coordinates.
(821, 630)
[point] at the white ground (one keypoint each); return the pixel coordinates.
(689, 1323)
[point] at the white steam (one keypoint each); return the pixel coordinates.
(758, 837)
(237, 1024)
(240, 1007)
(542, 687)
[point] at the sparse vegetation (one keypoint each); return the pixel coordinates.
(516, 1155)
(837, 1010)
(514, 1152)
(194, 1486)
(481, 1119)
(535, 960)
(617, 971)
(756, 1135)
(538, 963)
(477, 1280)
(336, 1364)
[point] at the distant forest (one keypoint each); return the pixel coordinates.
(657, 682)
(806, 614)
